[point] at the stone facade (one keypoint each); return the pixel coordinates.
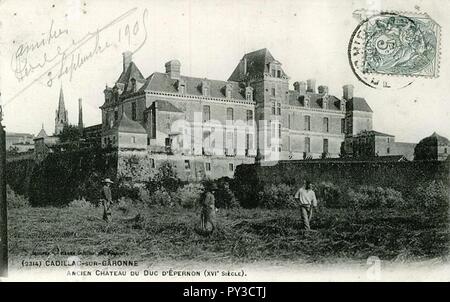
(433, 147)
(367, 144)
(252, 117)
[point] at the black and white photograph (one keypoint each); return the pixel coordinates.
(224, 141)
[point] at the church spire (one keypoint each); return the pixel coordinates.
(61, 118)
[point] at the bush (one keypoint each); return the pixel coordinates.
(434, 195)
(127, 190)
(277, 196)
(165, 178)
(224, 195)
(81, 204)
(331, 195)
(16, 201)
(189, 195)
(369, 197)
(159, 197)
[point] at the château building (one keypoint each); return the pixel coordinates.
(207, 127)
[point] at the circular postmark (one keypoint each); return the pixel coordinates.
(389, 50)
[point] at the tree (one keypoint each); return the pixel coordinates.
(70, 133)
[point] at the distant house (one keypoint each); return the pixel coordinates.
(19, 142)
(43, 145)
(368, 144)
(433, 147)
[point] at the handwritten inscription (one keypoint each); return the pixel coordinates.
(56, 54)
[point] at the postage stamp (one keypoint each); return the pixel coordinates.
(402, 45)
(395, 44)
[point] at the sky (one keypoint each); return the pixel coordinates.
(309, 38)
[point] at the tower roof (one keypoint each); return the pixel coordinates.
(129, 126)
(61, 105)
(256, 63)
(435, 140)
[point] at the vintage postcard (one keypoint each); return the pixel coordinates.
(194, 140)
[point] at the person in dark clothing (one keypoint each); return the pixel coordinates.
(107, 199)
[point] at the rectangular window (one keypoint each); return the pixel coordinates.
(148, 141)
(133, 111)
(273, 92)
(343, 125)
(152, 163)
(307, 123)
(231, 167)
(289, 121)
(307, 145)
(279, 73)
(388, 150)
(187, 164)
(325, 145)
(279, 109)
(230, 114)
(274, 72)
(206, 113)
(116, 114)
(249, 96)
(279, 130)
(208, 166)
(133, 139)
(273, 108)
(445, 150)
(325, 125)
(206, 139)
(249, 141)
(249, 115)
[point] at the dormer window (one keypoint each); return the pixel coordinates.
(181, 87)
(228, 90)
(205, 88)
(325, 104)
(342, 106)
(306, 102)
(249, 93)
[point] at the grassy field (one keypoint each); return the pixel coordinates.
(242, 235)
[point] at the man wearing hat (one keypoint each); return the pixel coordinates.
(107, 199)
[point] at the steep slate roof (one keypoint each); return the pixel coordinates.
(315, 100)
(435, 140)
(131, 72)
(257, 63)
(162, 82)
(127, 125)
(376, 133)
(358, 104)
(41, 134)
(163, 105)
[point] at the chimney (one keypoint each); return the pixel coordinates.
(173, 69)
(300, 87)
(348, 92)
(127, 59)
(322, 89)
(311, 85)
(80, 114)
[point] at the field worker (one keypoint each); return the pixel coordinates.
(107, 199)
(307, 198)
(208, 211)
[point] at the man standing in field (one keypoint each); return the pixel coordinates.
(208, 211)
(107, 199)
(307, 198)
